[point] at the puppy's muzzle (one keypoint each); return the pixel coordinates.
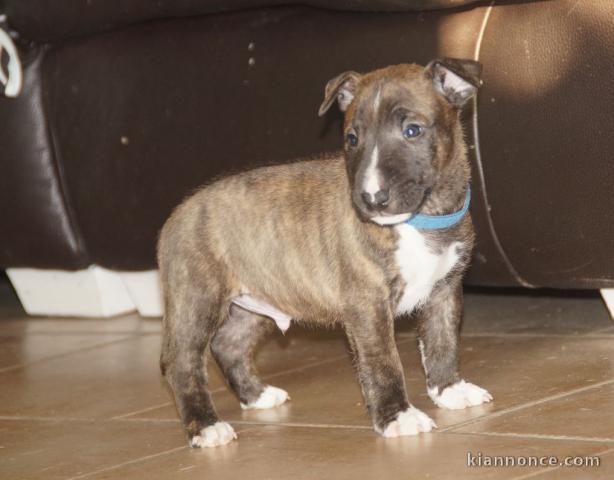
(377, 200)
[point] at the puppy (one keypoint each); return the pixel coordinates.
(355, 238)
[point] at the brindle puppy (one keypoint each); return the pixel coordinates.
(325, 241)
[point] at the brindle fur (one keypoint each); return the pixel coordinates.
(294, 236)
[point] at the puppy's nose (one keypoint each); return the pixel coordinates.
(377, 200)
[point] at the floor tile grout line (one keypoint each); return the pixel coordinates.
(129, 462)
(535, 436)
(600, 331)
(56, 419)
(523, 406)
(177, 421)
(588, 335)
(537, 473)
(65, 354)
(29, 418)
(146, 420)
(367, 427)
(147, 409)
(302, 425)
(85, 333)
(559, 467)
(256, 423)
(596, 335)
(137, 460)
(332, 426)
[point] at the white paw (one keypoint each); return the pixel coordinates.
(269, 398)
(215, 435)
(460, 395)
(409, 422)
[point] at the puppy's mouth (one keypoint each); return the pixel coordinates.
(387, 218)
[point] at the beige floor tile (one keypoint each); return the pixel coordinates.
(586, 414)
(515, 370)
(606, 331)
(130, 323)
(124, 377)
(96, 383)
(522, 312)
(58, 450)
(16, 350)
(319, 453)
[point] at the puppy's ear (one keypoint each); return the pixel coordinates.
(456, 79)
(342, 88)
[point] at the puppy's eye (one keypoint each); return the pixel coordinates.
(412, 131)
(352, 139)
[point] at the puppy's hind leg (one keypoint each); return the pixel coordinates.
(189, 322)
(233, 348)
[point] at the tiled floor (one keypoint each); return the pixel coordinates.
(84, 399)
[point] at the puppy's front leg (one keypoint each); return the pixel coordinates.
(438, 332)
(380, 373)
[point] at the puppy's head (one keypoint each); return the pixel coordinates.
(401, 129)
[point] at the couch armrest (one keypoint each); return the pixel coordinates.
(35, 221)
(44, 20)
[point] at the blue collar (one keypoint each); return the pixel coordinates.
(439, 222)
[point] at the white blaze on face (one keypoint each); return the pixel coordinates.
(372, 183)
(376, 100)
(371, 174)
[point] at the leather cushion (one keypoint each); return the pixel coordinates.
(45, 20)
(546, 139)
(38, 229)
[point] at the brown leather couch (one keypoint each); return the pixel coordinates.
(128, 105)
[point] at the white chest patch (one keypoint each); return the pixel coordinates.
(420, 267)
